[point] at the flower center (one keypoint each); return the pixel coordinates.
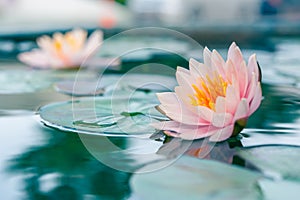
(58, 46)
(72, 42)
(207, 90)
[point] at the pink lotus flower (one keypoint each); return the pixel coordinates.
(213, 99)
(62, 51)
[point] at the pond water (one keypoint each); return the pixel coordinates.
(38, 162)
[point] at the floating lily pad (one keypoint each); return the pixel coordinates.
(275, 161)
(142, 82)
(87, 87)
(280, 189)
(191, 178)
(21, 81)
(109, 83)
(111, 116)
(26, 80)
(155, 83)
(79, 88)
(91, 87)
(103, 63)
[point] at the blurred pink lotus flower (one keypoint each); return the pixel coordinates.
(213, 99)
(62, 51)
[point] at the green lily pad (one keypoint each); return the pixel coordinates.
(26, 80)
(107, 84)
(79, 88)
(144, 82)
(281, 189)
(191, 178)
(21, 81)
(276, 161)
(110, 116)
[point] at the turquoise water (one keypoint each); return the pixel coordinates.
(38, 162)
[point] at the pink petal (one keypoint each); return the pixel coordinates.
(198, 70)
(184, 131)
(58, 36)
(221, 119)
(177, 111)
(236, 85)
(222, 134)
(167, 98)
(184, 94)
(251, 89)
(182, 117)
(218, 63)
(79, 35)
(40, 59)
(220, 104)
(253, 67)
(207, 57)
(183, 70)
(231, 48)
(185, 80)
(235, 55)
(243, 79)
(173, 126)
(205, 113)
(230, 71)
(256, 99)
(93, 43)
(45, 43)
(232, 99)
(242, 110)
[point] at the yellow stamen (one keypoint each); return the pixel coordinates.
(57, 45)
(207, 91)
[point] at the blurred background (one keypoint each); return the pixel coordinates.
(251, 22)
